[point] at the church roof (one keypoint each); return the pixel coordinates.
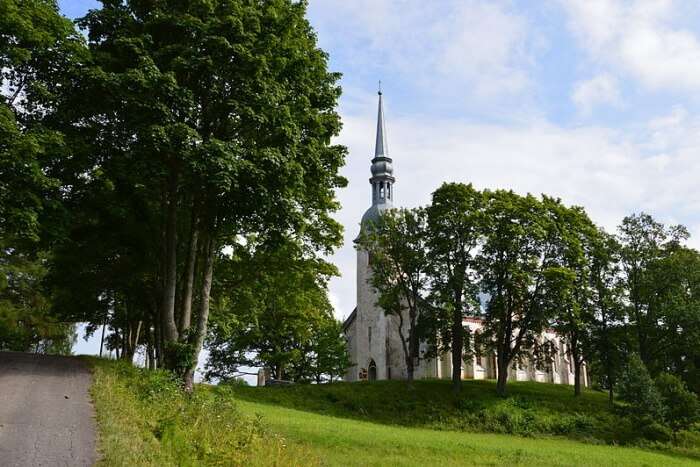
(348, 321)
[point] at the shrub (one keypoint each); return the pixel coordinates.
(637, 388)
(681, 406)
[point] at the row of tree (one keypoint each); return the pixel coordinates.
(147, 149)
(525, 264)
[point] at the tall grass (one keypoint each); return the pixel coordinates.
(145, 420)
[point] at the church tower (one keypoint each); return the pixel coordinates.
(369, 331)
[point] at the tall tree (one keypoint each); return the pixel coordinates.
(647, 243)
(272, 310)
(518, 270)
(215, 118)
(455, 221)
(574, 237)
(608, 333)
(396, 244)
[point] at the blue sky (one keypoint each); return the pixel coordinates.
(594, 101)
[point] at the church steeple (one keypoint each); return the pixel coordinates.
(380, 148)
(382, 180)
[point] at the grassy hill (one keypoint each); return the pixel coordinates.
(346, 442)
(145, 420)
(530, 409)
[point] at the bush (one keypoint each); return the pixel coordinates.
(637, 388)
(681, 406)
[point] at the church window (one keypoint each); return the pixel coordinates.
(369, 334)
(388, 191)
(477, 345)
(381, 190)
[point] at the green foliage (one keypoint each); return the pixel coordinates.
(682, 408)
(637, 388)
(278, 316)
(144, 419)
(26, 323)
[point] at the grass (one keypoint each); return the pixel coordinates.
(144, 420)
(344, 442)
(532, 409)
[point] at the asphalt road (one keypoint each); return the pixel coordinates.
(46, 418)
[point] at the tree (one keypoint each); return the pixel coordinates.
(330, 351)
(682, 406)
(26, 324)
(637, 387)
(396, 244)
(574, 238)
(214, 119)
(518, 269)
(455, 220)
(272, 311)
(608, 333)
(39, 54)
(645, 242)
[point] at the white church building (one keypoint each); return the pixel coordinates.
(373, 339)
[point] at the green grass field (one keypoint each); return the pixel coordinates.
(145, 420)
(344, 442)
(530, 409)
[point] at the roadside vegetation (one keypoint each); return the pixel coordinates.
(144, 419)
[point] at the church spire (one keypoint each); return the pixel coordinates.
(382, 180)
(380, 148)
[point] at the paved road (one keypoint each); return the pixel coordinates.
(46, 418)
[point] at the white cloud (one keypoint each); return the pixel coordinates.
(601, 89)
(477, 48)
(641, 38)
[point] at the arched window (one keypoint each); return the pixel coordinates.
(372, 371)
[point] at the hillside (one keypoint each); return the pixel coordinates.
(144, 420)
(531, 409)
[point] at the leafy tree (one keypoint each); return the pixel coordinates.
(25, 320)
(574, 238)
(213, 120)
(39, 54)
(608, 332)
(396, 243)
(330, 354)
(455, 220)
(272, 311)
(682, 408)
(645, 242)
(519, 272)
(637, 387)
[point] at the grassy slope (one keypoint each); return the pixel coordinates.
(144, 420)
(343, 442)
(531, 408)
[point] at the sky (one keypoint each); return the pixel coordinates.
(593, 101)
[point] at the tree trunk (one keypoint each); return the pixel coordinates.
(102, 339)
(186, 312)
(577, 377)
(611, 395)
(203, 318)
(169, 330)
(502, 364)
(457, 346)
